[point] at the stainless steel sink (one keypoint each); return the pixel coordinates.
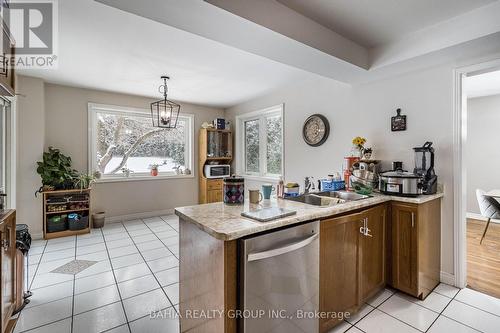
(328, 198)
(344, 195)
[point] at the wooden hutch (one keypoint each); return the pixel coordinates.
(215, 147)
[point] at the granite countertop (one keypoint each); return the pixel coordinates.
(226, 223)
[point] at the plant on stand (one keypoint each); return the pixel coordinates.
(84, 181)
(154, 169)
(56, 171)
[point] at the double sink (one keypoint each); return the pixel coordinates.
(328, 198)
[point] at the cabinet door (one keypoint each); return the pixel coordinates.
(7, 262)
(404, 248)
(372, 252)
(339, 266)
(6, 68)
(214, 196)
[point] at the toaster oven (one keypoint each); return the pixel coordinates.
(217, 171)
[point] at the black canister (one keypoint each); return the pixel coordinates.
(234, 190)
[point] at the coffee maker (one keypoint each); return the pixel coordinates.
(424, 167)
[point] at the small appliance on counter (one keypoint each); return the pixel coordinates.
(399, 182)
(423, 180)
(217, 170)
(424, 167)
(234, 190)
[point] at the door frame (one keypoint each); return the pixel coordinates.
(460, 167)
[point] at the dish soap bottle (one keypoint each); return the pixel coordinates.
(281, 188)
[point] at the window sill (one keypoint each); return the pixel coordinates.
(261, 178)
(140, 178)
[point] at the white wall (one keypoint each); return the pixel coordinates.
(57, 116)
(425, 97)
(30, 144)
(482, 149)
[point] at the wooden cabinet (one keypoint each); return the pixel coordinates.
(211, 190)
(352, 261)
(416, 247)
(7, 262)
(372, 252)
(215, 146)
(7, 52)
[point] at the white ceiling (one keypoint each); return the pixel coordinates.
(234, 51)
(481, 85)
(108, 49)
(374, 22)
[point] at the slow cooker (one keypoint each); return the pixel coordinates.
(400, 183)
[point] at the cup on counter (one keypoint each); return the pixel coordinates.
(255, 196)
(267, 189)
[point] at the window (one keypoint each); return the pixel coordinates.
(260, 143)
(124, 139)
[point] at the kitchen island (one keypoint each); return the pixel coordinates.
(209, 257)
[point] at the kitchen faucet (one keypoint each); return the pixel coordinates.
(308, 184)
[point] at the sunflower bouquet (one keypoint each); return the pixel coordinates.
(359, 142)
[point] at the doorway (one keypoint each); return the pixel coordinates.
(477, 117)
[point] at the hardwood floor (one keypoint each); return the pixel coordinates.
(483, 260)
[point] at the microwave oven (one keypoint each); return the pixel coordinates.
(217, 170)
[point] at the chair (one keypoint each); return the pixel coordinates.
(489, 207)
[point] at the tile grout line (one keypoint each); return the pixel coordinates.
(453, 299)
(441, 313)
(408, 324)
(116, 282)
(152, 273)
(37, 266)
(73, 296)
(154, 233)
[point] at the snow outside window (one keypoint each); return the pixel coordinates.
(122, 139)
(260, 143)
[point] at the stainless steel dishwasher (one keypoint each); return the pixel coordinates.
(279, 279)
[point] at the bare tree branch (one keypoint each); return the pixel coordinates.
(134, 147)
(104, 160)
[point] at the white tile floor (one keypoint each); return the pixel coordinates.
(137, 272)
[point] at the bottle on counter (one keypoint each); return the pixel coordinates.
(280, 189)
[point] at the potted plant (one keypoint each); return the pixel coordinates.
(83, 181)
(358, 146)
(126, 172)
(56, 171)
(154, 169)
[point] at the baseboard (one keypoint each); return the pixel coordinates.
(447, 278)
(37, 236)
(135, 216)
(480, 217)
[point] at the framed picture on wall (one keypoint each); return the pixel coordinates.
(398, 122)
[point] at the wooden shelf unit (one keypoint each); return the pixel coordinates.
(211, 188)
(46, 214)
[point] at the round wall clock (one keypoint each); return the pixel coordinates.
(316, 130)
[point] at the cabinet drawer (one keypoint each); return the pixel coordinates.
(215, 184)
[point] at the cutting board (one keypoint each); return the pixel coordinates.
(268, 214)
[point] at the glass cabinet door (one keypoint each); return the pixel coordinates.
(219, 144)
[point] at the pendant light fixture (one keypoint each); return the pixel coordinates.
(165, 113)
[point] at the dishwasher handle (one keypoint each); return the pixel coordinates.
(281, 250)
